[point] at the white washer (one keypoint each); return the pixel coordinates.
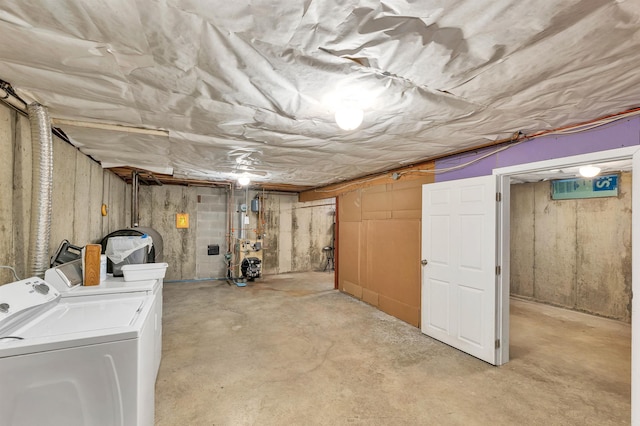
(75, 361)
(67, 279)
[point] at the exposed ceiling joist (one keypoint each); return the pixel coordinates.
(149, 178)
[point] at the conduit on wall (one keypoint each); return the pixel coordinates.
(40, 232)
(135, 203)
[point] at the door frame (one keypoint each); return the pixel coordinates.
(504, 181)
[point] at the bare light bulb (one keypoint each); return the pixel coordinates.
(244, 180)
(349, 118)
(589, 171)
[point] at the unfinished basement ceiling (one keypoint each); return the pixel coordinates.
(252, 86)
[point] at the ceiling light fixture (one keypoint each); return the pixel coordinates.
(589, 171)
(349, 118)
(244, 180)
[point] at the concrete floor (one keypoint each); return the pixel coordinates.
(290, 350)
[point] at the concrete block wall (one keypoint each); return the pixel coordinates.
(80, 187)
(212, 229)
(572, 253)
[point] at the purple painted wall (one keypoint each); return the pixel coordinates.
(622, 133)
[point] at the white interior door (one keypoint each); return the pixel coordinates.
(459, 277)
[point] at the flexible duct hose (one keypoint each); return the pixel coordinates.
(41, 194)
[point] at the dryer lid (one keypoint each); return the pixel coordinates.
(23, 300)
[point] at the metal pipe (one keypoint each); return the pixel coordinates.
(135, 185)
(231, 240)
(41, 194)
(229, 217)
(243, 214)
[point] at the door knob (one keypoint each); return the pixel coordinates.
(424, 262)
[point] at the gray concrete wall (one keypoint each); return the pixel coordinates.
(296, 233)
(279, 215)
(9, 224)
(293, 234)
(80, 186)
(158, 208)
(572, 253)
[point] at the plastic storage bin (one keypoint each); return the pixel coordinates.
(147, 271)
(137, 257)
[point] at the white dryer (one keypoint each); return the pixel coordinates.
(75, 361)
(67, 279)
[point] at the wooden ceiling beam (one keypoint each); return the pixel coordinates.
(403, 174)
(150, 178)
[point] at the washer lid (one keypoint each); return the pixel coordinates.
(114, 285)
(79, 322)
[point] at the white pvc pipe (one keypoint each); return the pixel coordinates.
(108, 126)
(7, 98)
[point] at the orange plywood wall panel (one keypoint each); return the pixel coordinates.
(380, 243)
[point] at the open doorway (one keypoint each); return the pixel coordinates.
(607, 334)
(570, 283)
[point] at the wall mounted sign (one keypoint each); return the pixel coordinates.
(597, 187)
(182, 220)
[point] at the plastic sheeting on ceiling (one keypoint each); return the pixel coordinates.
(252, 86)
